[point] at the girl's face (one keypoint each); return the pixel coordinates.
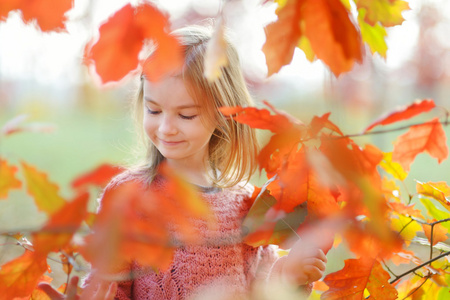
(173, 122)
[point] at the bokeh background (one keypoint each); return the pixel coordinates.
(42, 76)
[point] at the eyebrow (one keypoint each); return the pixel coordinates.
(178, 107)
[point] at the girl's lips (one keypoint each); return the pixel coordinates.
(170, 143)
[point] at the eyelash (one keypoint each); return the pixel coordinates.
(155, 112)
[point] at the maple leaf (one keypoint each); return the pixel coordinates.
(332, 34)
(374, 36)
(387, 12)
(215, 55)
(61, 226)
(49, 14)
(427, 137)
(356, 276)
(44, 192)
(258, 118)
(100, 176)
(436, 190)
(116, 52)
(19, 277)
(393, 168)
(439, 233)
(435, 212)
(319, 123)
(8, 180)
(404, 113)
(283, 36)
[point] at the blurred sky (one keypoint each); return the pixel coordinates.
(55, 58)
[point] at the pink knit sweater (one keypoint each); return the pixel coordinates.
(224, 262)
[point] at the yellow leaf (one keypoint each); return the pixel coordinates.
(216, 54)
(44, 192)
(435, 190)
(373, 35)
(8, 180)
(407, 229)
(393, 168)
(387, 12)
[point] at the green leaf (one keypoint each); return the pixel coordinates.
(373, 36)
(435, 212)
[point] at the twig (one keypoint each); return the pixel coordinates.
(418, 267)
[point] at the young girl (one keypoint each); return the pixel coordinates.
(185, 129)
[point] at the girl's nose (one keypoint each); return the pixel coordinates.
(168, 126)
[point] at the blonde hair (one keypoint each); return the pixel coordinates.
(233, 146)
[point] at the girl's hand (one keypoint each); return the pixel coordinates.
(106, 291)
(304, 264)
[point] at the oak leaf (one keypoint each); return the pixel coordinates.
(49, 14)
(19, 277)
(427, 137)
(44, 192)
(116, 53)
(356, 276)
(404, 113)
(8, 179)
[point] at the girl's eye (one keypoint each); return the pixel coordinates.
(152, 112)
(188, 117)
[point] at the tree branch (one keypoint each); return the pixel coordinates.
(418, 267)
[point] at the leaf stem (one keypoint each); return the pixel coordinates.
(418, 267)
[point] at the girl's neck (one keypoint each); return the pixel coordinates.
(200, 175)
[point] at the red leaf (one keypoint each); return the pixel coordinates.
(258, 118)
(427, 137)
(49, 14)
(404, 113)
(99, 176)
(332, 34)
(116, 52)
(8, 180)
(19, 277)
(355, 277)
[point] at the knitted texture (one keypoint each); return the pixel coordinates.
(221, 263)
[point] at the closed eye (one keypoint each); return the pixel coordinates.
(153, 112)
(188, 117)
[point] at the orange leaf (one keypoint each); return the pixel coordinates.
(61, 226)
(283, 36)
(355, 277)
(407, 210)
(439, 233)
(258, 118)
(19, 277)
(427, 137)
(436, 190)
(115, 54)
(44, 192)
(318, 123)
(100, 176)
(15, 125)
(8, 180)
(404, 113)
(332, 34)
(49, 14)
